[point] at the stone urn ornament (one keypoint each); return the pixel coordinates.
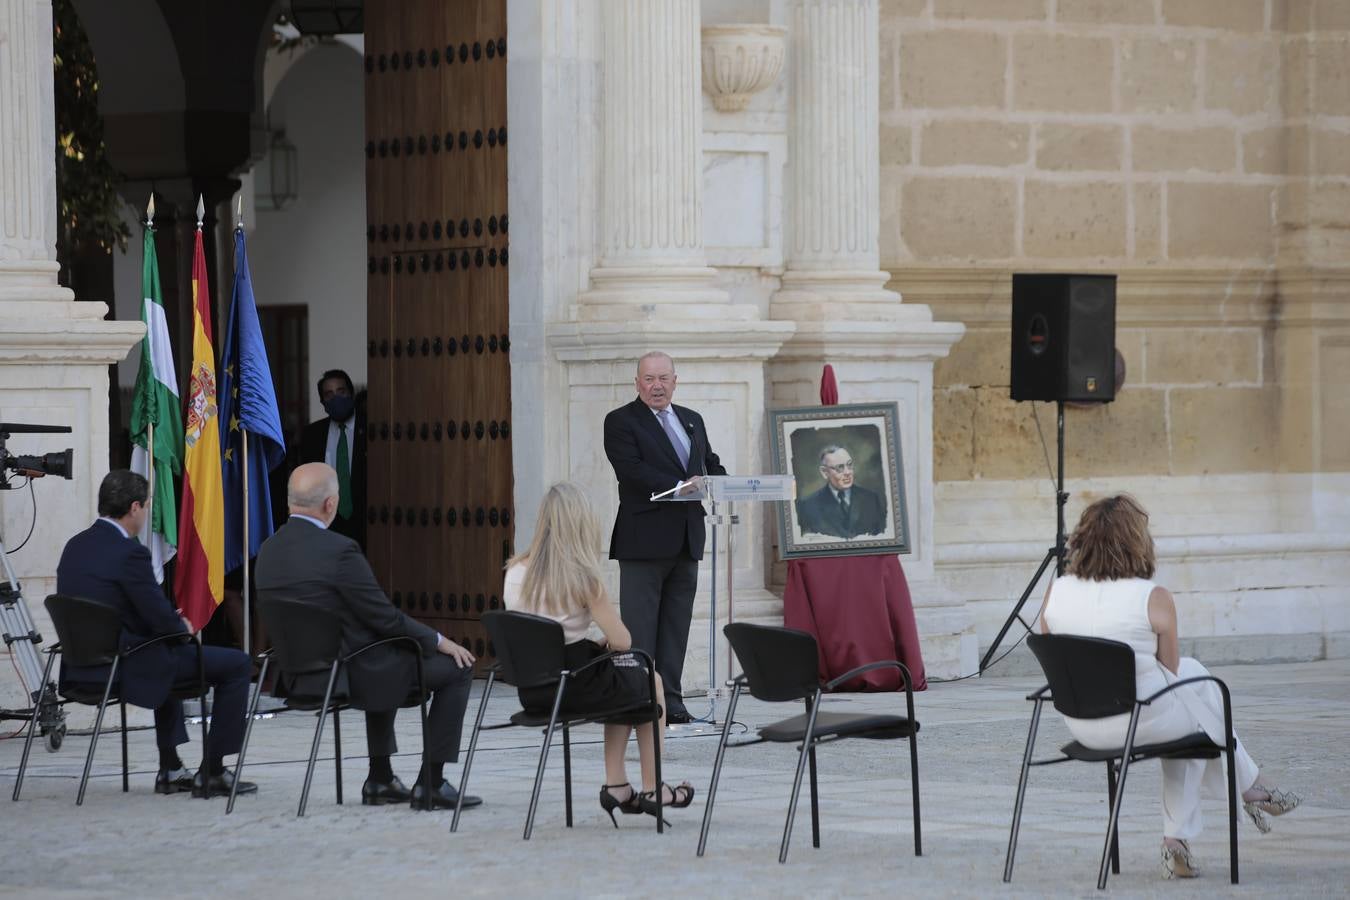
(740, 61)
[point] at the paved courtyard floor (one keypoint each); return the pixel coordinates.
(1294, 718)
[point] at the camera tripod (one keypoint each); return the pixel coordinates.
(21, 638)
(1055, 554)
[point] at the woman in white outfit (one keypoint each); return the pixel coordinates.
(1107, 593)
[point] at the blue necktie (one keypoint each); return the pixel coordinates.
(667, 422)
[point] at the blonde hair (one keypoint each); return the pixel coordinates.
(1112, 541)
(562, 572)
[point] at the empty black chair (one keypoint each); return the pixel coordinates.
(779, 665)
(308, 639)
(530, 654)
(1093, 678)
(89, 634)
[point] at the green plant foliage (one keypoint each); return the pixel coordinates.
(86, 183)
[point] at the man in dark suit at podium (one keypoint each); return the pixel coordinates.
(106, 564)
(339, 440)
(653, 445)
(841, 508)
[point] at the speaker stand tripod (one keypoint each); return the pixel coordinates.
(1055, 554)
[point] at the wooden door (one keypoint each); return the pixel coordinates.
(440, 513)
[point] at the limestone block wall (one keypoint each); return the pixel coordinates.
(1201, 150)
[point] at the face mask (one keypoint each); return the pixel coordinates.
(340, 407)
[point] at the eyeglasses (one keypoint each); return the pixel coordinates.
(841, 468)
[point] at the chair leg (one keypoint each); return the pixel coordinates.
(206, 737)
(473, 745)
(1232, 816)
(657, 739)
(815, 799)
(567, 773)
(543, 756)
(126, 782)
(1120, 796)
(427, 787)
(1021, 792)
(797, 779)
(1111, 801)
(717, 769)
(33, 724)
(337, 751)
(98, 725)
(248, 732)
(914, 790)
(318, 736)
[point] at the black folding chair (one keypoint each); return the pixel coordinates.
(530, 654)
(307, 639)
(779, 665)
(89, 634)
(1092, 678)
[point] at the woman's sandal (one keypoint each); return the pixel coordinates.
(629, 807)
(681, 795)
(1177, 861)
(1276, 804)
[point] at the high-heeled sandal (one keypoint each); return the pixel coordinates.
(681, 795)
(1177, 861)
(1277, 804)
(629, 807)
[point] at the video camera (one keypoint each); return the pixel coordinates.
(55, 464)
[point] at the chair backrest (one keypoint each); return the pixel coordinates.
(1090, 678)
(529, 648)
(305, 637)
(89, 631)
(779, 663)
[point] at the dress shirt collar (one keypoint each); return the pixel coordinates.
(116, 524)
(311, 520)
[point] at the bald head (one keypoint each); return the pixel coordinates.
(313, 491)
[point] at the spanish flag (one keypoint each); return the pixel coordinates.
(199, 582)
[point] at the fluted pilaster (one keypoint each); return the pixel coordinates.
(833, 160)
(651, 247)
(27, 149)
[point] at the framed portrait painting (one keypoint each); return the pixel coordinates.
(850, 480)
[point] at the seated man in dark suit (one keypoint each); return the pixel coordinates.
(841, 508)
(106, 563)
(305, 560)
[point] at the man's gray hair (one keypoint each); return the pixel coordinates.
(314, 497)
(655, 354)
(833, 448)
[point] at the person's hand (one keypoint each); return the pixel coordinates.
(692, 486)
(187, 624)
(462, 657)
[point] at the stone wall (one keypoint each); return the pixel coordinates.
(1200, 149)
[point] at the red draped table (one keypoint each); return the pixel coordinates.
(859, 611)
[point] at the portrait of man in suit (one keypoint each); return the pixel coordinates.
(841, 507)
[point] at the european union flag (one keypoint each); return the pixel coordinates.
(248, 402)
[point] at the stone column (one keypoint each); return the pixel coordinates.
(54, 352)
(833, 204)
(651, 225)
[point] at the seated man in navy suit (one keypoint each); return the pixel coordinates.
(107, 564)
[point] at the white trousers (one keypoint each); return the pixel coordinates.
(1191, 708)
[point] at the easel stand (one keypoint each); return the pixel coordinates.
(726, 490)
(1055, 553)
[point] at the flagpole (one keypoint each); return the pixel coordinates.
(148, 530)
(243, 433)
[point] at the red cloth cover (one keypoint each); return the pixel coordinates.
(829, 388)
(859, 611)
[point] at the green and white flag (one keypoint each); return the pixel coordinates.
(156, 403)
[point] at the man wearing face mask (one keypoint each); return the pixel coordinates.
(339, 440)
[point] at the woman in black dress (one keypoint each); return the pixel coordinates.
(558, 578)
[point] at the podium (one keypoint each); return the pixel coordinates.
(727, 490)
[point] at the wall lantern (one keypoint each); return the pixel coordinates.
(327, 17)
(277, 181)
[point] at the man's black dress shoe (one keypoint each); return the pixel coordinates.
(173, 781)
(375, 793)
(679, 717)
(219, 785)
(443, 797)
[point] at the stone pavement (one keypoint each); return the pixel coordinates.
(1294, 718)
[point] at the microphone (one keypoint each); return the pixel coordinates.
(702, 464)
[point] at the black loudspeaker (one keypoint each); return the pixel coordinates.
(1063, 337)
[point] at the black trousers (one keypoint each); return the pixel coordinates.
(656, 603)
(227, 671)
(449, 686)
